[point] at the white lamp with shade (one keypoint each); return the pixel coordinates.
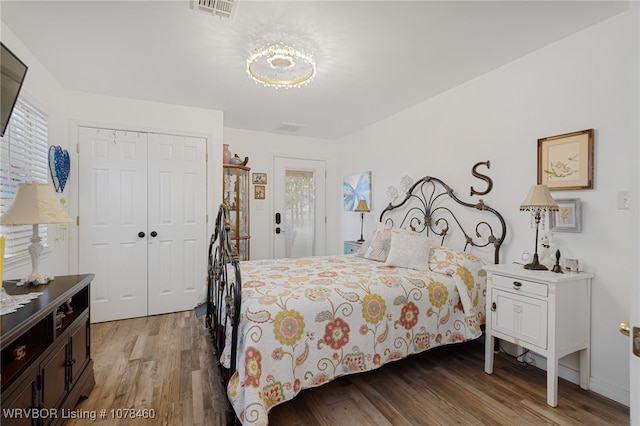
(361, 207)
(538, 200)
(35, 204)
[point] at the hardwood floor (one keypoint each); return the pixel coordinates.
(165, 363)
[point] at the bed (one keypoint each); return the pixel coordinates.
(284, 325)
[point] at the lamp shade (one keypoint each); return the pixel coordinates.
(362, 206)
(539, 198)
(35, 203)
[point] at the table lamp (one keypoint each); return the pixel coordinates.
(361, 207)
(35, 204)
(538, 200)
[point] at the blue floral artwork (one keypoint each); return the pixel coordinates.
(356, 187)
(59, 166)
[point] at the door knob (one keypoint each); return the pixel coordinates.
(625, 328)
(154, 234)
(141, 234)
(634, 332)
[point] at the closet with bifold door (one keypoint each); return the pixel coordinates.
(142, 221)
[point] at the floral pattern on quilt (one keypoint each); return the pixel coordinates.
(308, 321)
(466, 270)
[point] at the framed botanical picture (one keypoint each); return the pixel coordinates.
(568, 218)
(259, 178)
(259, 192)
(566, 161)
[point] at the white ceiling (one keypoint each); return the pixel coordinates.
(374, 58)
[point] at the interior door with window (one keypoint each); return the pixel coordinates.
(299, 206)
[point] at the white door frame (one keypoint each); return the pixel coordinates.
(634, 284)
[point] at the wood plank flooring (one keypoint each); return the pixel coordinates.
(165, 363)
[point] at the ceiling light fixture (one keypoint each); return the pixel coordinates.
(281, 66)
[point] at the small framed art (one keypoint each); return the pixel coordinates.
(259, 192)
(566, 161)
(569, 216)
(259, 178)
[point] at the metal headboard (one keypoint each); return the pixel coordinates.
(427, 207)
(224, 289)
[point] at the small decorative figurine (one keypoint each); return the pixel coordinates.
(557, 268)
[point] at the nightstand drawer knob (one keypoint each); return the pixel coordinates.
(493, 306)
(517, 285)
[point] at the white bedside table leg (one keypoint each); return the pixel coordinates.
(489, 343)
(552, 382)
(585, 368)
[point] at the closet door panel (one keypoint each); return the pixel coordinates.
(113, 212)
(177, 215)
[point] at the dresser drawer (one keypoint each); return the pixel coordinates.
(520, 285)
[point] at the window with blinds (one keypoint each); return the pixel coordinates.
(23, 158)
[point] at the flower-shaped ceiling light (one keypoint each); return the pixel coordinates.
(281, 66)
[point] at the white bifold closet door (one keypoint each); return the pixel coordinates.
(142, 232)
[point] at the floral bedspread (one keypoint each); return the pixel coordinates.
(309, 320)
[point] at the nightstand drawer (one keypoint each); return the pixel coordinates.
(351, 247)
(520, 285)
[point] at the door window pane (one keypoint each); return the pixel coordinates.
(299, 215)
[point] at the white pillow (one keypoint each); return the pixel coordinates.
(409, 250)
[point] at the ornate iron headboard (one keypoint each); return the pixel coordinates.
(223, 298)
(426, 208)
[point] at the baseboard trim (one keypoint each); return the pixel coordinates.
(598, 386)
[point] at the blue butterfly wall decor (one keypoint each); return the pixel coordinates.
(356, 187)
(59, 166)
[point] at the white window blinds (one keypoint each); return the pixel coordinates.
(23, 158)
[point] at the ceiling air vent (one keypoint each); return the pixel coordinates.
(289, 127)
(222, 8)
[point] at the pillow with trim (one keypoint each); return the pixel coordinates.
(409, 250)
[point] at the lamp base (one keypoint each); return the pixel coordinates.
(36, 278)
(536, 267)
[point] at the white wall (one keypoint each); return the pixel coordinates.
(45, 92)
(68, 110)
(261, 148)
(577, 83)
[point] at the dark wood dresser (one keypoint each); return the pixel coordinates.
(46, 361)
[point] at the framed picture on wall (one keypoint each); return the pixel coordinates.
(566, 161)
(259, 178)
(259, 192)
(356, 187)
(568, 218)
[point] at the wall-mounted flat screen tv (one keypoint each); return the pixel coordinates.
(12, 74)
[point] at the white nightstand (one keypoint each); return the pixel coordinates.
(351, 247)
(546, 312)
